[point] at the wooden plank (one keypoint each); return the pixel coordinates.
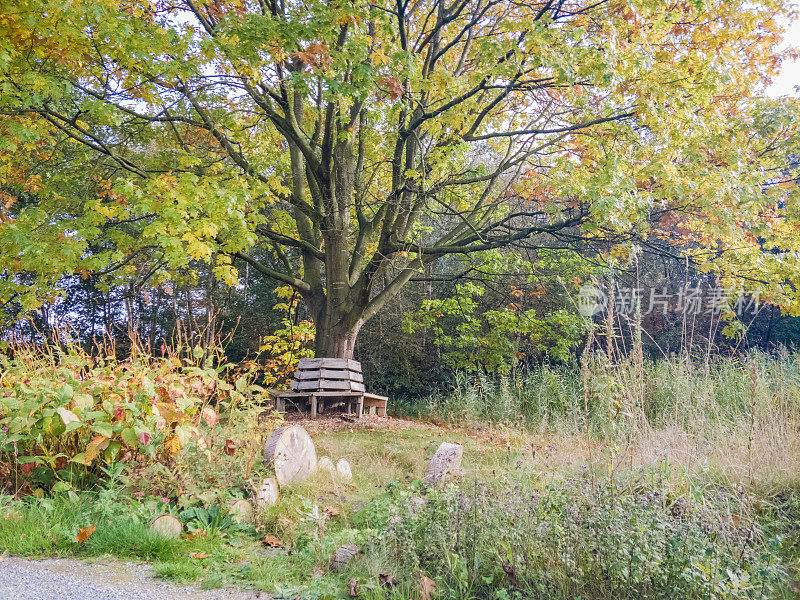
(335, 393)
(327, 385)
(369, 396)
(344, 374)
(331, 363)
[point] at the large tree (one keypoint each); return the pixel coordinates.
(342, 146)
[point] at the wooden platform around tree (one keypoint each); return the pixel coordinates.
(331, 382)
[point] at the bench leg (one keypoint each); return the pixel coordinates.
(360, 406)
(280, 404)
(313, 406)
(382, 410)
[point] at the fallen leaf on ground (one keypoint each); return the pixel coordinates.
(271, 541)
(386, 580)
(83, 534)
(427, 586)
(331, 511)
(353, 587)
(199, 555)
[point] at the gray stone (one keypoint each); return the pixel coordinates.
(167, 525)
(445, 464)
(241, 511)
(416, 504)
(343, 555)
(343, 469)
(325, 466)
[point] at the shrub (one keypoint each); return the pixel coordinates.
(64, 415)
(579, 540)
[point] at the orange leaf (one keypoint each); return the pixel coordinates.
(83, 534)
(199, 555)
(210, 416)
(271, 541)
(229, 448)
(427, 586)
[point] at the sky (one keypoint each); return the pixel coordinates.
(790, 72)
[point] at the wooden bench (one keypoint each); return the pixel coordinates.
(331, 381)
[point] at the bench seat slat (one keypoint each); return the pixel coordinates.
(345, 374)
(331, 363)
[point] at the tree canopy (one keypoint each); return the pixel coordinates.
(342, 147)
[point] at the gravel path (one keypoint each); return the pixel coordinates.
(69, 579)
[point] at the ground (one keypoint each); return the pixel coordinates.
(315, 516)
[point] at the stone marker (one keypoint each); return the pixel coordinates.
(168, 526)
(241, 511)
(268, 493)
(290, 452)
(444, 465)
(342, 556)
(325, 466)
(416, 504)
(343, 469)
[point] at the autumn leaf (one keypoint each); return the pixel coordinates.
(330, 511)
(392, 85)
(352, 587)
(172, 445)
(271, 541)
(198, 555)
(427, 586)
(210, 416)
(230, 447)
(67, 416)
(83, 534)
(94, 448)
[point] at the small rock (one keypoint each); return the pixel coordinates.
(267, 494)
(343, 555)
(167, 525)
(416, 504)
(444, 465)
(325, 466)
(241, 511)
(343, 469)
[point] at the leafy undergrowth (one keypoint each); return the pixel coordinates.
(524, 522)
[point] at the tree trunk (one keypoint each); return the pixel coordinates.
(335, 341)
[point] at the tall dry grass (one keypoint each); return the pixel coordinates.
(737, 418)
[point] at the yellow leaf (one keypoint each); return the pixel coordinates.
(172, 445)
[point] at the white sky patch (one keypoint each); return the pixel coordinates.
(785, 83)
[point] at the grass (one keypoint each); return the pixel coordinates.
(711, 451)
